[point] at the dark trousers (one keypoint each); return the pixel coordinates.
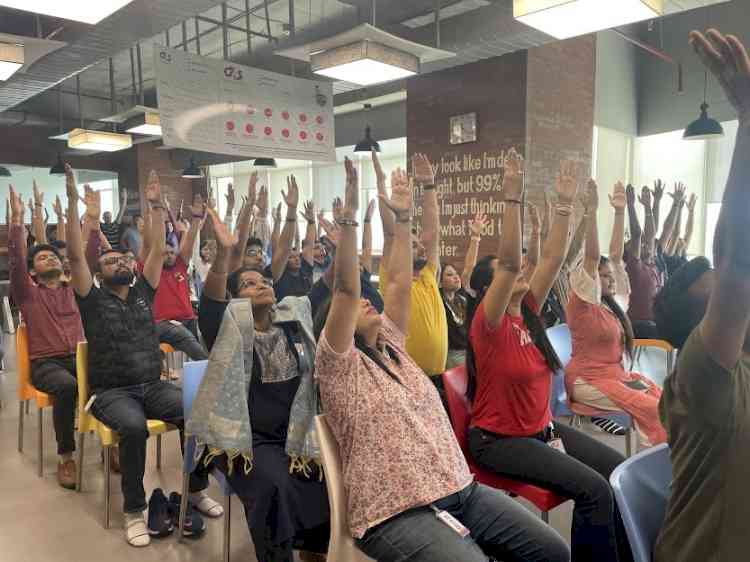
(183, 336)
(126, 410)
(500, 527)
(57, 376)
(581, 475)
(311, 540)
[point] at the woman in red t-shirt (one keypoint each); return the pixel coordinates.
(511, 364)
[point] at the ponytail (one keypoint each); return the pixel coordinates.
(627, 326)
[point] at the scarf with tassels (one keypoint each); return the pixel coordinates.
(220, 418)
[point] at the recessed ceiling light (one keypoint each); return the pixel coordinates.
(83, 139)
(570, 18)
(86, 11)
(11, 59)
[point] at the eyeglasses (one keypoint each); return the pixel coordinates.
(47, 257)
(125, 260)
(254, 253)
(251, 283)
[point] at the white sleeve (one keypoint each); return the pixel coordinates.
(588, 289)
(622, 284)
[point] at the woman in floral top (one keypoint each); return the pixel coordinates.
(404, 472)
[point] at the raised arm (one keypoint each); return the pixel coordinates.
(284, 249)
(215, 286)
(649, 228)
(617, 243)
(37, 216)
(476, 226)
(576, 243)
(398, 289)
(689, 224)
(555, 247)
(636, 234)
(229, 216)
(533, 249)
(672, 243)
(309, 246)
(658, 194)
(424, 175)
(386, 215)
(243, 224)
(17, 251)
(187, 244)
(672, 218)
(724, 328)
(366, 259)
(57, 208)
(79, 269)
(261, 229)
(345, 308)
(154, 261)
(146, 241)
(498, 294)
(591, 252)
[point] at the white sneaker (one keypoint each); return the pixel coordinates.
(205, 505)
(136, 532)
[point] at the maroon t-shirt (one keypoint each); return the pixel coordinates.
(172, 300)
(644, 284)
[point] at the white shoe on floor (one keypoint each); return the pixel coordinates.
(205, 505)
(136, 532)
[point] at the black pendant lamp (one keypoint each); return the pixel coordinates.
(59, 167)
(704, 127)
(192, 171)
(367, 144)
(5, 172)
(264, 163)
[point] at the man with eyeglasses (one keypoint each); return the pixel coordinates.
(124, 358)
(255, 257)
(53, 325)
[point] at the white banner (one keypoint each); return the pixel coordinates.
(218, 106)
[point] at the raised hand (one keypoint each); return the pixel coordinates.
(658, 189)
(198, 208)
(476, 225)
(370, 210)
(728, 61)
(379, 174)
(309, 212)
(262, 201)
(17, 208)
(291, 197)
(645, 197)
(123, 196)
(224, 238)
(338, 208)
(566, 185)
(512, 175)
(592, 196)
(332, 230)
(153, 188)
(230, 197)
(93, 201)
(618, 198)
(70, 186)
(536, 222)
(38, 195)
(422, 169)
(252, 192)
(277, 213)
(679, 192)
(351, 195)
(211, 202)
(691, 202)
(401, 193)
(57, 208)
(630, 195)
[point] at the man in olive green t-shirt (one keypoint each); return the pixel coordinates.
(705, 406)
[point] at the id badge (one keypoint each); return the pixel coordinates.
(453, 523)
(557, 444)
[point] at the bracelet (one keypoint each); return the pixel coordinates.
(197, 216)
(157, 207)
(516, 201)
(429, 187)
(476, 238)
(38, 205)
(347, 222)
(293, 219)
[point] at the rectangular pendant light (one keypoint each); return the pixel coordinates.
(570, 18)
(364, 63)
(11, 59)
(83, 139)
(86, 11)
(144, 124)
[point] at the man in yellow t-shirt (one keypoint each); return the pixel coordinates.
(427, 340)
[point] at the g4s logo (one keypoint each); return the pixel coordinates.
(232, 73)
(165, 56)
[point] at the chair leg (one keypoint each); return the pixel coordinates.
(629, 442)
(158, 452)
(183, 505)
(27, 407)
(79, 468)
(40, 432)
(545, 517)
(107, 469)
(20, 426)
(227, 527)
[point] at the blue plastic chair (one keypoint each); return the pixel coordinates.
(561, 340)
(642, 485)
(192, 376)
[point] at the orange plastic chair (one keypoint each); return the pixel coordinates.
(27, 392)
(88, 423)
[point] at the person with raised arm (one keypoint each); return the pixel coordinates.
(262, 350)
(112, 229)
(123, 354)
(410, 493)
(427, 335)
(602, 333)
(511, 364)
(706, 402)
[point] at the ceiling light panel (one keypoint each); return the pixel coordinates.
(11, 59)
(82, 139)
(86, 11)
(364, 63)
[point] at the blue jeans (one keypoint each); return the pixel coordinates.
(500, 527)
(183, 337)
(126, 410)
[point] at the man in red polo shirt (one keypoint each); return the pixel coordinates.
(176, 323)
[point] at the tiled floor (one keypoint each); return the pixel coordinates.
(39, 521)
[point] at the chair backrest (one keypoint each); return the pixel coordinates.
(24, 389)
(341, 547)
(192, 376)
(560, 338)
(455, 382)
(642, 487)
(86, 421)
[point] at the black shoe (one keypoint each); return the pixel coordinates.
(160, 521)
(609, 426)
(194, 524)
